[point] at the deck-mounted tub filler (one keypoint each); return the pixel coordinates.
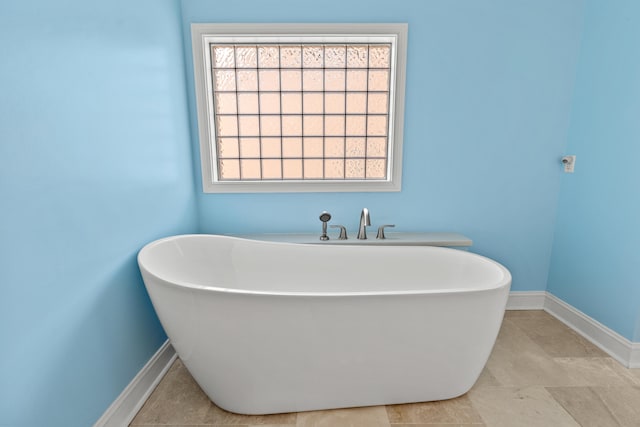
(270, 327)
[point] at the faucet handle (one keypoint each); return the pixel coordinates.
(380, 234)
(343, 231)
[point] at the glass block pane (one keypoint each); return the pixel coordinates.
(291, 125)
(355, 147)
(334, 103)
(225, 103)
(355, 168)
(269, 80)
(376, 147)
(356, 80)
(248, 103)
(292, 147)
(246, 57)
(270, 103)
(272, 169)
(312, 56)
(334, 80)
(334, 169)
(357, 56)
(376, 168)
(312, 126)
(378, 103)
(312, 103)
(249, 147)
(290, 56)
(356, 103)
(228, 147)
(271, 147)
(302, 112)
(312, 147)
(379, 80)
(335, 56)
(223, 57)
(268, 56)
(377, 126)
(249, 125)
(224, 80)
(312, 80)
(334, 147)
(247, 80)
(227, 126)
(229, 169)
(292, 169)
(270, 125)
(379, 56)
(356, 125)
(292, 103)
(334, 125)
(291, 80)
(250, 169)
(313, 168)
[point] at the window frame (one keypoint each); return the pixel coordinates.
(201, 36)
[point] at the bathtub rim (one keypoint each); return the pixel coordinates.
(505, 282)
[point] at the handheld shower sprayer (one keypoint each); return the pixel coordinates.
(324, 217)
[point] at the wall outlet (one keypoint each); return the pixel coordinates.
(569, 163)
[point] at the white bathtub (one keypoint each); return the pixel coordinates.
(268, 327)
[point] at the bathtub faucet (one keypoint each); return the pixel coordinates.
(365, 220)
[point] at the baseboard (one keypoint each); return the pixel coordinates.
(617, 346)
(126, 406)
(635, 355)
(614, 344)
(531, 300)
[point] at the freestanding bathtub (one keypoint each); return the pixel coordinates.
(268, 327)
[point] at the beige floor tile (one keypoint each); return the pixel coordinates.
(217, 416)
(594, 371)
(555, 338)
(517, 314)
(519, 407)
(623, 402)
(486, 379)
(439, 425)
(271, 425)
(633, 375)
(584, 405)
(517, 361)
(452, 411)
(373, 416)
(178, 400)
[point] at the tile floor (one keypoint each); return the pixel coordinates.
(540, 374)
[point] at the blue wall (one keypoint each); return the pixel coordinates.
(595, 254)
(487, 111)
(97, 158)
(95, 162)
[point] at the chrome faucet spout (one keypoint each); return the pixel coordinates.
(365, 221)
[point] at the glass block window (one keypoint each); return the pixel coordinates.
(299, 110)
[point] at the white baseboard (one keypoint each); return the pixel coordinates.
(634, 360)
(126, 406)
(532, 300)
(617, 346)
(624, 351)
